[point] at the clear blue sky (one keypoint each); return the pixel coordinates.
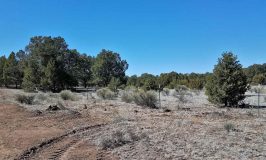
(152, 35)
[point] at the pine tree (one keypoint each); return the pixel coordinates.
(228, 83)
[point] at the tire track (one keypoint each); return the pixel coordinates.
(31, 152)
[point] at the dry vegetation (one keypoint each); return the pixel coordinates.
(186, 126)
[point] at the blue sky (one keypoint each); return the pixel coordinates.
(154, 36)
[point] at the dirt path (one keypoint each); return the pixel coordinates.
(56, 147)
(23, 135)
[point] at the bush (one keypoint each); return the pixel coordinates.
(119, 138)
(127, 96)
(166, 92)
(146, 99)
(181, 88)
(196, 92)
(196, 84)
(41, 97)
(229, 127)
(67, 95)
(106, 93)
(26, 99)
(180, 93)
(114, 84)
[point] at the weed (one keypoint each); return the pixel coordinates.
(166, 92)
(106, 93)
(146, 99)
(26, 99)
(67, 95)
(229, 127)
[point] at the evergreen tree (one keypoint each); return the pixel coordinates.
(32, 75)
(83, 69)
(107, 65)
(48, 81)
(228, 83)
(11, 73)
(2, 65)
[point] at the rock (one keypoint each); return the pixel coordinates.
(53, 108)
(37, 112)
(85, 106)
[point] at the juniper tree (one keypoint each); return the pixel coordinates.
(228, 83)
(108, 64)
(2, 65)
(11, 74)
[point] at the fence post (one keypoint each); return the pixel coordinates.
(160, 96)
(259, 103)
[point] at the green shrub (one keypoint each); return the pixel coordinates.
(106, 93)
(229, 127)
(196, 84)
(25, 99)
(67, 95)
(146, 99)
(114, 84)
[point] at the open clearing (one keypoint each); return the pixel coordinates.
(195, 130)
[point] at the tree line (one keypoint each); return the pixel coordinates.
(48, 64)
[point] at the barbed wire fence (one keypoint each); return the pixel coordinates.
(259, 101)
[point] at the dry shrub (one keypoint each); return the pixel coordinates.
(128, 96)
(106, 93)
(229, 127)
(146, 99)
(67, 95)
(166, 92)
(25, 99)
(181, 93)
(119, 138)
(42, 97)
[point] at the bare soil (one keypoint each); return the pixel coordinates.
(194, 130)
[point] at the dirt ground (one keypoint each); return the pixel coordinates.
(194, 130)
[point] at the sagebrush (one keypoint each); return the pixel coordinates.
(146, 99)
(67, 95)
(106, 93)
(25, 99)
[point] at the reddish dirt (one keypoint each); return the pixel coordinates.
(21, 129)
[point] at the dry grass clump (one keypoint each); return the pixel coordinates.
(146, 99)
(42, 97)
(229, 127)
(128, 95)
(25, 99)
(106, 93)
(67, 95)
(119, 138)
(181, 93)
